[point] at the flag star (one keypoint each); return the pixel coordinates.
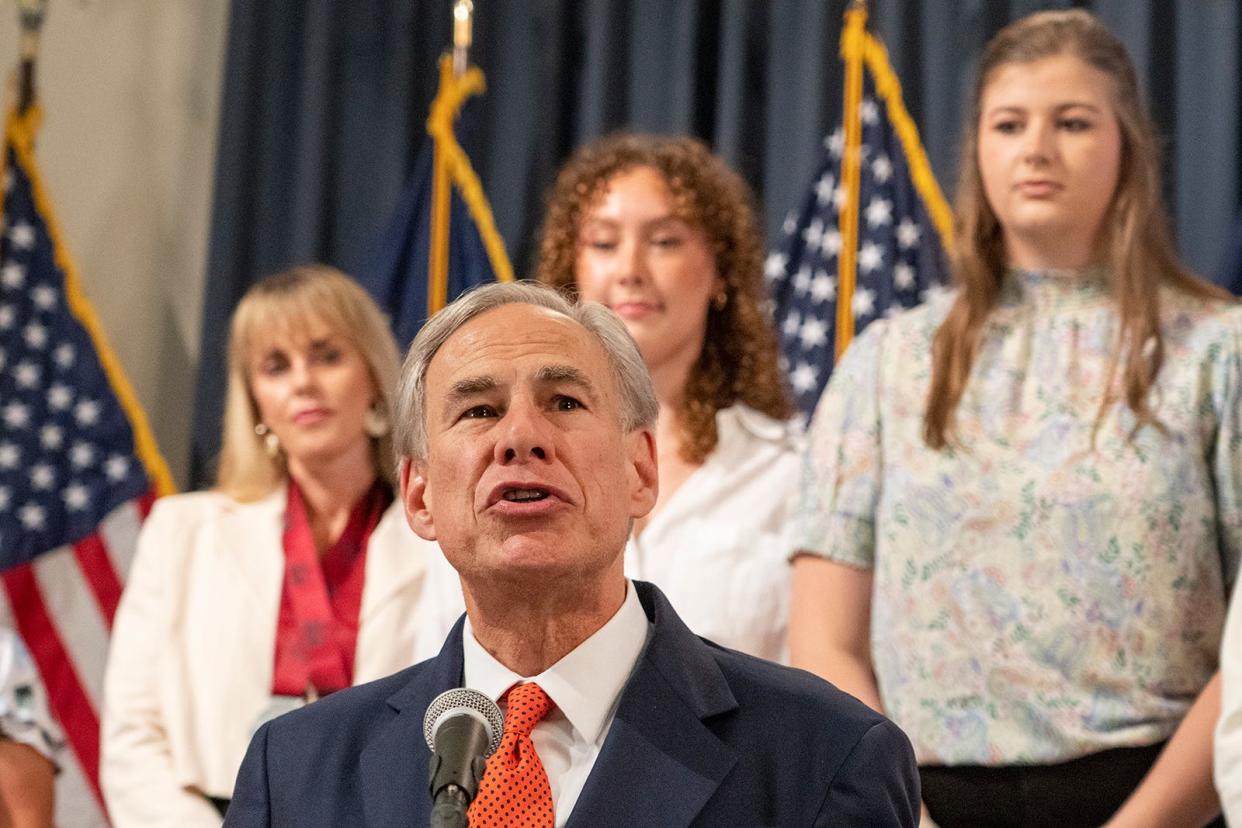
(64, 355)
(774, 265)
(26, 374)
(792, 323)
(42, 477)
(22, 235)
(35, 335)
(835, 142)
(51, 437)
(882, 169)
(813, 233)
(16, 415)
(7, 314)
(86, 412)
(59, 397)
(44, 297)
(840, 198)
(870, 112)
(10, 456)
(82, 455)
(117, 467)
(814, 332)
(908, 234)
(879, 212)
(790, 223)
(76, 496)
(934, 292)
(831, 243)
(823, 287)
(13, 275)
(824, 188)
(802, 280)
(864, 302)
(32, 516)
(903, 276)
(804, 377)
(870, 257)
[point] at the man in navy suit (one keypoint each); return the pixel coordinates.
(526, 425)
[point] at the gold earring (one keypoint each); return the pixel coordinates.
(720, 300)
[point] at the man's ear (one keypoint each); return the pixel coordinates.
(644, 473)
(417, 500)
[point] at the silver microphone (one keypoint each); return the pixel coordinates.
(462, 727)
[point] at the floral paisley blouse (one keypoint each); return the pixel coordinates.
(1036, 597)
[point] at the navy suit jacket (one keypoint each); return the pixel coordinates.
(702, 736)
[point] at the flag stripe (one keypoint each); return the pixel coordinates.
(67, 598)
(66, 695)
(119, 531)
(96, 566)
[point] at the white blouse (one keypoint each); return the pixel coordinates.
(719, 547)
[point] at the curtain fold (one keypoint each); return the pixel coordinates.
(325, 101)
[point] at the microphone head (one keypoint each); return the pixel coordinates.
(462, 701)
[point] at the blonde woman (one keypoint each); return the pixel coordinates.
(294, 577)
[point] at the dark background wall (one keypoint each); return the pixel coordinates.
(324, 104)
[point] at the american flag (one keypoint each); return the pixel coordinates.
(900, 248)
(74, 486)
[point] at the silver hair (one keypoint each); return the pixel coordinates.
(639, 407)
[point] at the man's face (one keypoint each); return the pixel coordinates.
(528, 473)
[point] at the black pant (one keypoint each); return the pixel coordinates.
(1082, 792)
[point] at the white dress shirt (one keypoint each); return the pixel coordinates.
(584, 685)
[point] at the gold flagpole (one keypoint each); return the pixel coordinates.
(441, 193)
(853, 44)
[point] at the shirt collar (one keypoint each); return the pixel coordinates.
(586, 683)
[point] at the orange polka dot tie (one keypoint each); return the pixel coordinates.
(514, 790)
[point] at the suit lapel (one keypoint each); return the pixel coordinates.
(395, 764)
(660, 763)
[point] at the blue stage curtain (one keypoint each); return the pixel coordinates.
(324, 104)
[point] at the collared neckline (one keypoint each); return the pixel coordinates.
(586, 683)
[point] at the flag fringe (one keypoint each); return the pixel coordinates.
(888, 87)
(452, 94)
(20, 131)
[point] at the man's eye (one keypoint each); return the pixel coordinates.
(564, 403)
(477, 412)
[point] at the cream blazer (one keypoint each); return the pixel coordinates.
(193, 645)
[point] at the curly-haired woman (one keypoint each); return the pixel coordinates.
(664, 233)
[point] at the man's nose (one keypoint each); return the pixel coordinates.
(524, 436)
